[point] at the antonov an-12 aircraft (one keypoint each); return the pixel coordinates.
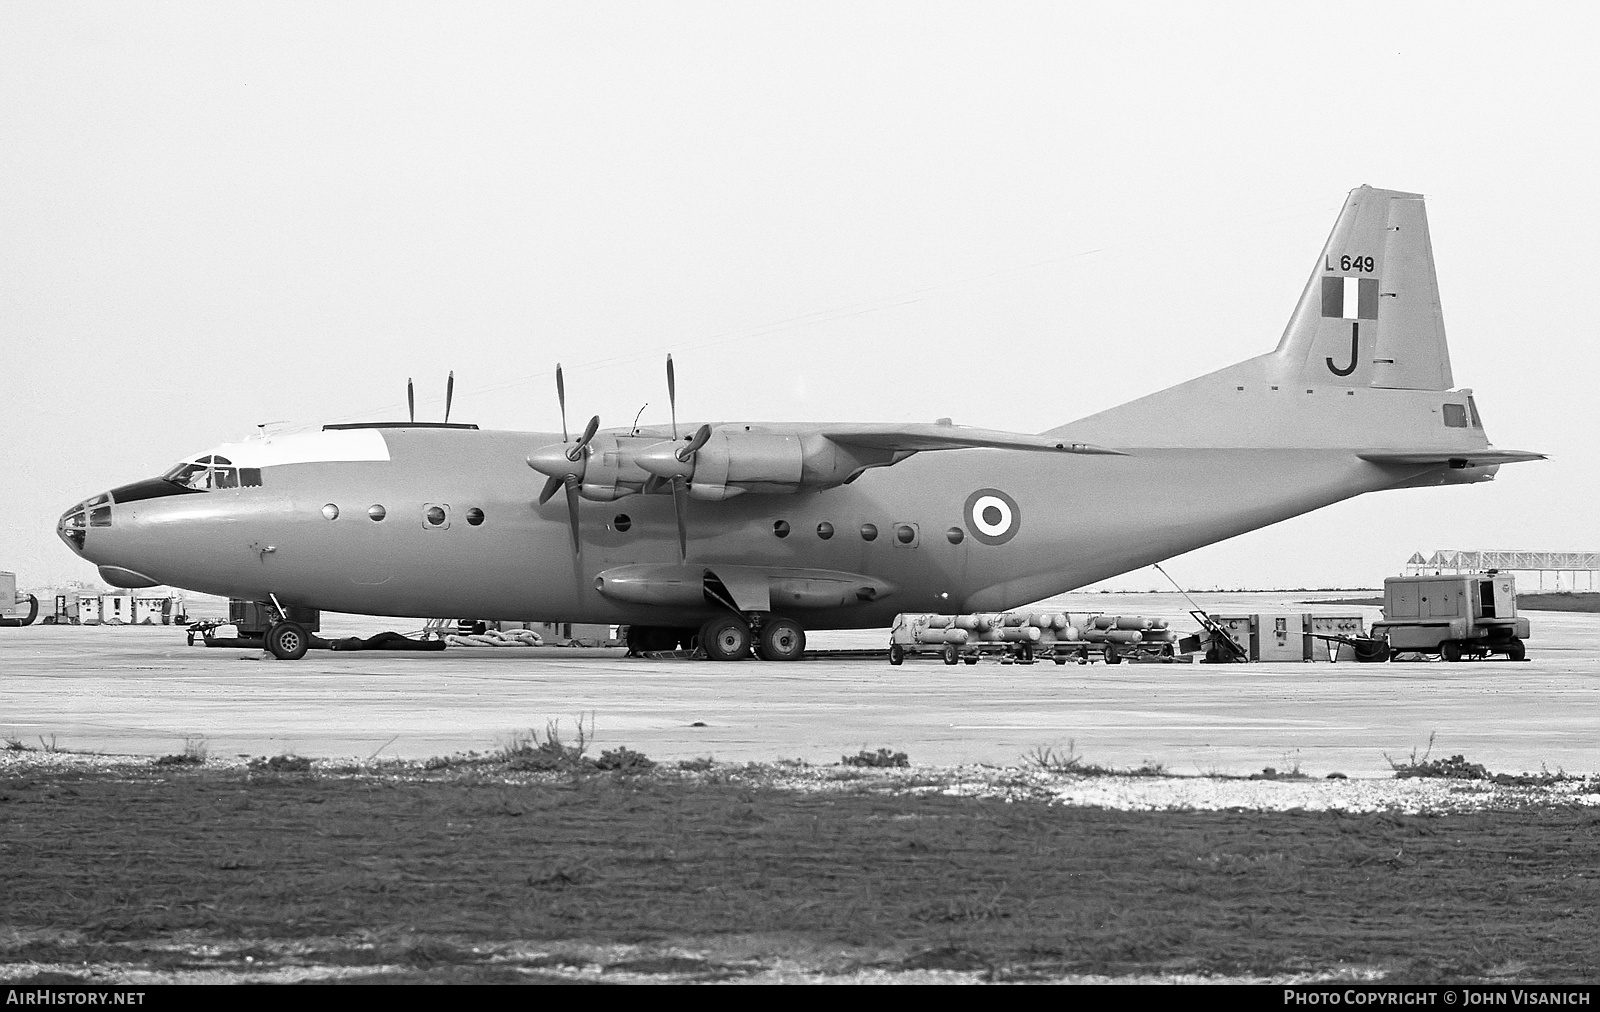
(742, 536)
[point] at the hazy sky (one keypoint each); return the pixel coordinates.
(218, 215)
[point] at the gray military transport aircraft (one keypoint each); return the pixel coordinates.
(742, 536)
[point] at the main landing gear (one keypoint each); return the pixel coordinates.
(774, 638)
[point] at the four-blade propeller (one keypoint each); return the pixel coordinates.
(565, 464)
(677, 477)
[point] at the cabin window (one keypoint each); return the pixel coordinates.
(331, 511)
(824, 530)
(869, 532)
(377, 512)
(474, 516)
(1455, 416)
(956, 535)
(622, 522)
(781, 528)
(436, 516)
(905, 534)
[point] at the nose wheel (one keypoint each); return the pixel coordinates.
(287, 641)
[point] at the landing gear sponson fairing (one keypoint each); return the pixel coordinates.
(739, 533)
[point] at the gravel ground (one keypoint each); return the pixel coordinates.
(1126, 792)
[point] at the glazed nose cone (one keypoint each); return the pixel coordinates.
(73, 527)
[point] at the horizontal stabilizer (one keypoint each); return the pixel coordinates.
(917, 437)
(1457, 458)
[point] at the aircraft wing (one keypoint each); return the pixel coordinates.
(918, 436)
(1458, 458)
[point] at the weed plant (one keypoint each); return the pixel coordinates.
(624, 760)
(551, 753)
(881, 759)
(193, 754)
(282, 764)
(1049, 759)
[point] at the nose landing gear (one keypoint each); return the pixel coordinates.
(287, 641)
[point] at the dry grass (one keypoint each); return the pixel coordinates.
(439, 872)
(1069, 763)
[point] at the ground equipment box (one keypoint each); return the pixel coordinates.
(116, 609)
(1294, 636)
(1456, 616)
(16, 609)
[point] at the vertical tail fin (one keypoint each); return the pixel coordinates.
(1370, 313)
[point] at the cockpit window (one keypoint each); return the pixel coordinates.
(213, 472)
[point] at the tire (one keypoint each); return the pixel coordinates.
(725, 638)
(1059, 659)
(287, 641)
(1111, 655)
(1371, 651)
(1516, 650)
(1025, 653)
(782, 639)
(970, 660)
(1450, 650)
(897, 654)
(951, 654)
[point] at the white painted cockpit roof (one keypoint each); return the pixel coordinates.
(302, 448)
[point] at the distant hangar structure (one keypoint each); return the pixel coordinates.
(1538, 563)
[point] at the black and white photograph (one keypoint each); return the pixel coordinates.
(700, 492)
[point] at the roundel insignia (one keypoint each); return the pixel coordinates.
(992, 516)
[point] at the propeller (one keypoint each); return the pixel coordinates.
(411, 399)
(672, 396)
(680, 506)
(682, 455)
(572, 484)
(583, 440)
(449, 394)
(551, 486)
(561, 395)
(692, 447)
(564, 463)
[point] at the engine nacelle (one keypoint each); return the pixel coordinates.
(607, 468)
(736, 460)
